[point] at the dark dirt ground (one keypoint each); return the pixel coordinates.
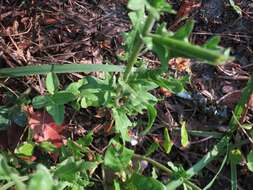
(88, 32)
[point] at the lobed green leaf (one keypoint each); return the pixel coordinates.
(57, 112)
(122, 123)
(117, 157)
(25, 149)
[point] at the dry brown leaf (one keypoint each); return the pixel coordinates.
(187, 6)
(44, 128)
(180, 64)
(165, 92)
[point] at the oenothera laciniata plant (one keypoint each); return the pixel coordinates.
(129, 93)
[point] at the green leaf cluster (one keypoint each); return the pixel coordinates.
(117, 157)
(54, 102)
(68, 174)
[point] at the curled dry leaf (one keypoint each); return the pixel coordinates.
(180, 64)
(186, 7)
(44, 128)
(165, 92)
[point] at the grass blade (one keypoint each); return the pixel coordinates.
(218, 149)
(209, 185)
(212, 134)
(152, 113)
(64, 68)
(233, 176)
(240, 107)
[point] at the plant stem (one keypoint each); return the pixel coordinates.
(138, 45)
(154, 163)
(164, 168)
(213, 134)
(189, 50)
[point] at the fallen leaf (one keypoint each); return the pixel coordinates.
(165, 92)
(186, 7)
(180, 64)
(44, 128)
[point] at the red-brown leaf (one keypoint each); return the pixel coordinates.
(44, 128)
(186, 7)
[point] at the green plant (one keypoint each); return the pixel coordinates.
(126, 95)
(129, 94)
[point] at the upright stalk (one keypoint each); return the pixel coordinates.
(138, 45)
